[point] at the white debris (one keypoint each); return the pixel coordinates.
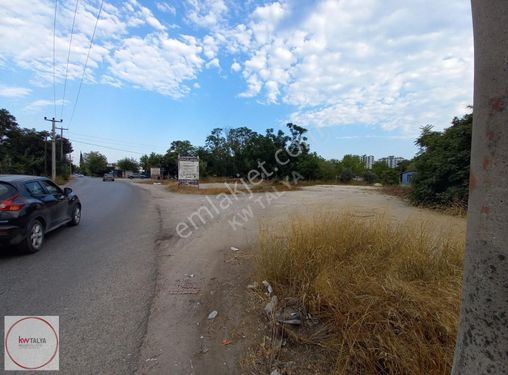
(234, 248)
(268, 287)
(254, 285)
(212, 315)
(270, 306)
(275, 372)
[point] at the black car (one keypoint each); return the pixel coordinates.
(32, 206)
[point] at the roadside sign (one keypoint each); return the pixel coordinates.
(188, 170)
(155, 172)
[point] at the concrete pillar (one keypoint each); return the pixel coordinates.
(482, 341)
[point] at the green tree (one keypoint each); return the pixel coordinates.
(347, 175)
(95, 163)
(128, 164)
(370, 177)
(182, 148)
(353, 162)
(443, 164)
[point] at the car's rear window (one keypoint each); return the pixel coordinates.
(6, 191)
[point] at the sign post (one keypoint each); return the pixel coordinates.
(188, 170)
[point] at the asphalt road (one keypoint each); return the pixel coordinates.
(98, 277)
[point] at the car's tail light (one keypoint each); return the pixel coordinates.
(10, 205)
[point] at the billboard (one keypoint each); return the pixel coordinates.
(155, 172)
(188, 170)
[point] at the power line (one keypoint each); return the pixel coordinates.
(54, 56)
(68, 57)
(110, 148)
(110, 140)
(86, 63)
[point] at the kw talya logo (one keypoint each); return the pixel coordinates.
(31, 340)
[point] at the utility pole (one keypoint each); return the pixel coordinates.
(53, 146)
(61, 142)
(482, 340)
(45, 155)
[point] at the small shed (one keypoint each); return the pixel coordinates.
(406, 178)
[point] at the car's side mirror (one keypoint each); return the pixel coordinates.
(67, 190)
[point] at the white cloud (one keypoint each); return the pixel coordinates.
(388, 63)
(165, 7)
(157, 63)
(206, 13)
(41, 103)
(120, 55)
(213, 63)
(14, 91)
(235, 67)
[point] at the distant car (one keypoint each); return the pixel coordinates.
(137, 175)
(108, 177)
(32, 206)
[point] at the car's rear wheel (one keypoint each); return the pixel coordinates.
(34, 238)
(76, 216)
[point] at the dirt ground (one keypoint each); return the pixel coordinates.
(199, 272)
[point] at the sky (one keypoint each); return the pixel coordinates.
(363, 76)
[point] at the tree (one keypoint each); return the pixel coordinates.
(482, 340)
(370, 177)
(26, 151)
(353, 162)
(95, 163)
(128, 164)
(183, 148)
(443, 164)
(346, 175)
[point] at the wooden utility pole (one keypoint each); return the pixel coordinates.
(53, 146)
(482, 341)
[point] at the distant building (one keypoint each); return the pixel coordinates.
(406, 178)
(392, 161)
(368, 161)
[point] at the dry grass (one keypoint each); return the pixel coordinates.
(387, 293)
(261, 188)
(61, 181)
(400, 191)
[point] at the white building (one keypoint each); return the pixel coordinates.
(392, 161)
(368, 161)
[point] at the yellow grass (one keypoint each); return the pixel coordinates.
(387, 292)
(264, 187)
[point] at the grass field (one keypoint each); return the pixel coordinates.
(387, 293)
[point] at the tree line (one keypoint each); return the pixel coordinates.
(441, 165)
(28, 151)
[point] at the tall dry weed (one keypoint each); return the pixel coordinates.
(389, 292)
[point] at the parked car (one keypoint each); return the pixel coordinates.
(32, 206)
(137, 175)
(108, 177)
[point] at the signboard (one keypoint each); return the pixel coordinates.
(155, 172)
(188, 170)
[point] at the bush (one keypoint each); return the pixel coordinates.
(346, 175)
(443, 166)
(370, 177)
(387, 293)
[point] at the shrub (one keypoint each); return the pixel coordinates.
(388, 292)
(346, 175)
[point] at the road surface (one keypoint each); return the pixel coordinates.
(98, 277)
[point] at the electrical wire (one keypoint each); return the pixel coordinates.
(86, 63)
(68, 58)
(109, 140)
(54, 56)
(103, 146)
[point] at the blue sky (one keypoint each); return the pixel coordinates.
(362, 75)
